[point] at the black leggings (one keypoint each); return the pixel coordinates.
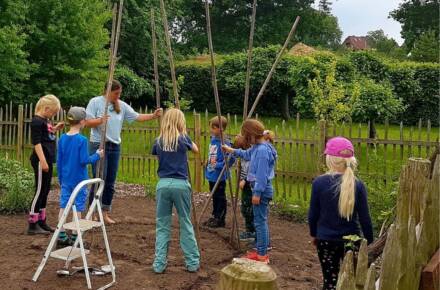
(331, 254)
(40, 197)
(219, 202)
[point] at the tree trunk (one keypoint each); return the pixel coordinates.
(247, 274)
(285, 111)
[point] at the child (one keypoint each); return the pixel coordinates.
(262, 156)
(72, 161)
(43, 156)
(216, 161)
(246, 193)
(338, 204)
(174, 189)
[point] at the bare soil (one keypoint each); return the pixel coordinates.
(132, 245)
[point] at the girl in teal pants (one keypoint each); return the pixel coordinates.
(174, 189)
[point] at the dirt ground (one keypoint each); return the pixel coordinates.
(132, 244)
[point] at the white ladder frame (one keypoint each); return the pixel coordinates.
(70, 205)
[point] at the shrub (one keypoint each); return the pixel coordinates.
(16, 186)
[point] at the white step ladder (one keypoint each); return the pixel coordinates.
(80, 226)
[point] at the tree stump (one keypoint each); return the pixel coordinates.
(245, 274)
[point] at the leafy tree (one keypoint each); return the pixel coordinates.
(417, 17)
(374, 102)
(230, 21)
(14, 66)
(325, 6)
(330, 101)
(426, 48)
(66, 43)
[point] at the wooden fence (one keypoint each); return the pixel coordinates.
(299, 143)
(411, 241)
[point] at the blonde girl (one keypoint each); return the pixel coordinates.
(173, 189)
(42, 158)
(337, 206)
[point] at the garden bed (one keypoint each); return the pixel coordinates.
(132, 244)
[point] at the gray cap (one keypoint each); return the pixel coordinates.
(76, 114)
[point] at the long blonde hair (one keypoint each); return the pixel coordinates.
(173, 125)
(47, 101)
(348, 182)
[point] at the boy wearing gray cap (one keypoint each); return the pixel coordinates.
(72, 161)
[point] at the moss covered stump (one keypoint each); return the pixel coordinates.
(245, 274)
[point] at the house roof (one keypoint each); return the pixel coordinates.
(356, 42)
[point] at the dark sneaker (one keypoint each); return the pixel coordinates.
(208, 222)
(35, 229)
(216, 223)
(63, 242)
(247, 236)
(45, 226)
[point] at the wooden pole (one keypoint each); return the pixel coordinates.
(218, 109)
(116, 30)
(170, 53)
(156, 70)
(249, 61)
(177, 104)
(274, 66)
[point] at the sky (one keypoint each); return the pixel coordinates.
(357, 17)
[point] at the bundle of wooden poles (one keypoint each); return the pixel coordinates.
(116, 24)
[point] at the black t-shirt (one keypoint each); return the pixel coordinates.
(43, 133)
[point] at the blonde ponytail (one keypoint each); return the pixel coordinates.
(348, 182)
(172, 126)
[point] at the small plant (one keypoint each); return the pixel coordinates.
(16, 186)
(352, 242)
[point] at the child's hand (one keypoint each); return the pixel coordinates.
(228, 149)
(314, 241)
(100, 153)
(59, 126)
(44, 166)
(255, 200)
(242, 184)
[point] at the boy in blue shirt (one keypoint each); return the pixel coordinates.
(216, 161)
(72, 161)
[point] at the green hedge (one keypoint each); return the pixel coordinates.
(415, 83)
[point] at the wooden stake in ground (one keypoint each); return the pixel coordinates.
(170, 53)
(218, 109)
(116, 31)
(274, 66)
(177, 104)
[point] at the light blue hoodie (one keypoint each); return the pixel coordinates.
(262, 158)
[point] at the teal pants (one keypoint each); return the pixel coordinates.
(177, 192)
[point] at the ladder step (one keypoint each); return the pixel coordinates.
(84, 225)
(68, 253)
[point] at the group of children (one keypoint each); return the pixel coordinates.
(338, 203)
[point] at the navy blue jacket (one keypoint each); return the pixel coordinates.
(325, 223)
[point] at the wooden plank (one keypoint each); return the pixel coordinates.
(362, 265)
(430, 279)
(346, 279)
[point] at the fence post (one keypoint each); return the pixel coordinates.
(198, 160)
(20, 126)
(321, 146)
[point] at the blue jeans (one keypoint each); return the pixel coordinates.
(174, 192)
(261, 212)
(111, 164)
